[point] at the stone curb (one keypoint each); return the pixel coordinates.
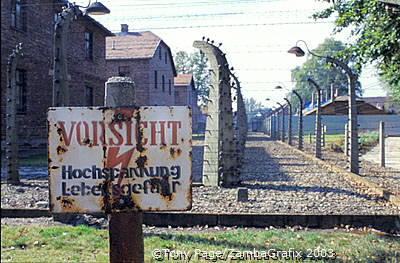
(385, 223)
(394, 199)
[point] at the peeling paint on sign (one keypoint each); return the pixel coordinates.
(119, 159)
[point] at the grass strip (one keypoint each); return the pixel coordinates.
(86, 244)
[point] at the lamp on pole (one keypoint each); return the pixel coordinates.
(317, 120)
(354, 166)
(300, 127)
(60, 73)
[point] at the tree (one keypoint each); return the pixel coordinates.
(253, 108)
(195, 63)
(376, 29)
(325, 75)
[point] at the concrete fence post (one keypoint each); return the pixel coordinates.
(125, 229)
(300, 128)
(283, 125)
(241, 120)
(323, 143)
(271, 130)
(11, 117)
(382, 143)
(289, 122)
(317, 119)
(346, 139)
(220, 166)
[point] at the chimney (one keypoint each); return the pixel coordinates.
(332, 93)
(336, 92)
(124, 28)
(113, 45)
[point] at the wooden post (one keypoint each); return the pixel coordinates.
(125, 229)
(382, 143)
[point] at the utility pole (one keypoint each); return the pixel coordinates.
(11, 116)
(317, 120)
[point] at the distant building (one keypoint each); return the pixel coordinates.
(186, 94)
(383, 103)
(339, 106)
(32, 24)
(145, 58)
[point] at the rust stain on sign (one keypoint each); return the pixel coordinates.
(119, 159)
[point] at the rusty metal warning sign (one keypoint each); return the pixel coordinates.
(119, 159)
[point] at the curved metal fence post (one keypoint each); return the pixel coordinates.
(11, 117)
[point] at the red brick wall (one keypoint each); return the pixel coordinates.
(37, 61)
(181, 95)
(138, 71)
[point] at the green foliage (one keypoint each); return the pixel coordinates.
(195, 63)
(323, 74)
(367, 139)
(253, 107)
(376, 30)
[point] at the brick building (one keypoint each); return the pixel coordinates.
(32, 23)
(186, 94)
(145, 58)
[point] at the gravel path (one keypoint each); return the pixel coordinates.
(387, 178)
(279, 181)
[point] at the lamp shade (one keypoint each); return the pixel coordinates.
(97, 8)
(297, 51)
(278, 87)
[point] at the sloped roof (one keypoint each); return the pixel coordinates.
(362, 107)
(98, 24)
(183, 79)
(132, 45)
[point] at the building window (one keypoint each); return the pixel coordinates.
(18, 15)
(165, 57)
(163, 83)
(155, 79)
(89, 96)
(89, 45)
(159, 53)
(20, 80)
(123, 71)
(169, 87)
(177, 97)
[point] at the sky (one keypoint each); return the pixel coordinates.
(255, 35)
